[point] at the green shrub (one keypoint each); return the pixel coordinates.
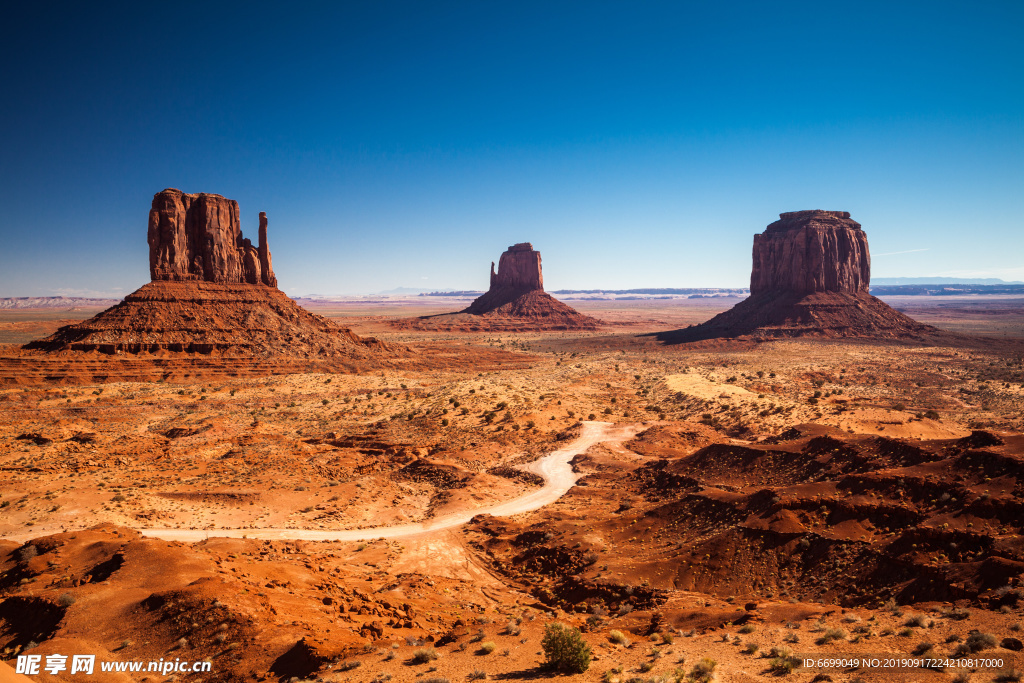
(565, 649)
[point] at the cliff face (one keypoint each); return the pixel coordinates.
(811, 251)
(198, 237)
(518, 269)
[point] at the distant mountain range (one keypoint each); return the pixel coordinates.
(18, 302)
(941, 281)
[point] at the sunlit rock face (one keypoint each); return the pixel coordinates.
(198, 237)
(811, 251)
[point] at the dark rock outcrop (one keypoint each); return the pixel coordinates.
(810, 276)
(198, 237)
(811, 251)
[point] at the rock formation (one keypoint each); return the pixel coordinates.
(811, 251)
(212, 293)
(810, 276)
(516, 301)
(518, 273)
(198, 237)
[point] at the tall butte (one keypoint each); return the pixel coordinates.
(212, 292)
(198, 237)
(810, 277)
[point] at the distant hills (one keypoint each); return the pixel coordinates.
(941, 281)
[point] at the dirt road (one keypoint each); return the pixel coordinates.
(554, 468)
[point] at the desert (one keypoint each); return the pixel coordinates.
(404, 342)
(382, 501)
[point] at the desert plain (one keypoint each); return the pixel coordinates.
(729, 508)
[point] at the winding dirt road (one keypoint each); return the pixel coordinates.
(554, 468)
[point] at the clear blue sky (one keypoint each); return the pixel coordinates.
(636, 144)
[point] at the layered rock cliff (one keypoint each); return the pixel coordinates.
(811, 251)
(198, 237)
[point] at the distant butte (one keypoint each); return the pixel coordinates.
(515, 301)
(213, 293)
(810, 276)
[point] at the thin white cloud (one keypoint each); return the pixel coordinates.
(893, 253)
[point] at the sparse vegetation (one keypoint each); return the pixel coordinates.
(565, 649)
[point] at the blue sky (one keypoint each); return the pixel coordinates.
(636, 144)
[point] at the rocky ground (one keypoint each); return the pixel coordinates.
(829, 497)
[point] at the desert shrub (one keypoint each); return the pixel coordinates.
(66, 600)
(917, 621)
(565, 649)
(703, 670)
(348, 666)
(435, 679)
(956, 613)
(591, 417)
(746, 628)
(477, 675)
(831, 634)
(782, 661)
(1008, 676)
(751, 648)
(487, 648)
(619, 638)
(424, 655)
(27, 553)
(976, 642)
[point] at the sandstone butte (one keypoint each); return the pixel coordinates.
(212, 292)
(810, 277)
(515, 302)
(198, 237)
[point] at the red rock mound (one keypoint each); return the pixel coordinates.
(211, 318)
(810, 277)
(516, 301)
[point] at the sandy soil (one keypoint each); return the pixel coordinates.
(554, 469)
(832, 498)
